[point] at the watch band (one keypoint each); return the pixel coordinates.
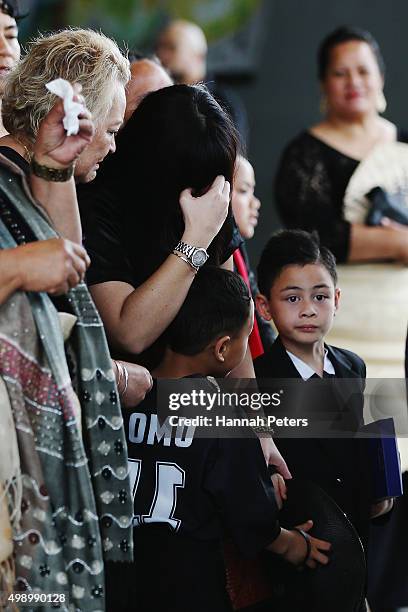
(184, 248)
(196, 256)
(55, 175)
(180, 256)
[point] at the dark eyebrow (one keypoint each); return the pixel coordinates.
(11, 27)
(291, 288)
(295, 288)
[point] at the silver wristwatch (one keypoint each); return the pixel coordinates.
(195, 256)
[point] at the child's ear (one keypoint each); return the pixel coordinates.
(337, 294)
(221, 348)
(262, 306)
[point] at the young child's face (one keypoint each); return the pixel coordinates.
(302, 303)
(245, 205)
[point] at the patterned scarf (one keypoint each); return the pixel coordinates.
(76, 509)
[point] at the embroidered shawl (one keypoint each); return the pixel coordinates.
(76, 508)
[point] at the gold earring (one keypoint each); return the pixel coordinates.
(381, 104)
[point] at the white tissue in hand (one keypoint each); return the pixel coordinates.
(63, 89)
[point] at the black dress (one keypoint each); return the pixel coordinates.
(310, 185)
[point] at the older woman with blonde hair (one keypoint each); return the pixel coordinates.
(71, 492)
(80, 56)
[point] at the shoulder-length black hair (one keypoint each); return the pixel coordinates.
(177, 137)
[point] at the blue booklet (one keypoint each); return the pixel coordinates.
(385, 460)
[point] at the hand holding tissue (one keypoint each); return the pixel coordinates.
(63, 89)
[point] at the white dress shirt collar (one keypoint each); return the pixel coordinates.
(306, 371)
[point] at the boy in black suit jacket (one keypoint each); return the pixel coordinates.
(298, 283)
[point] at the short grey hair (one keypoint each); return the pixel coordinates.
(77, 55)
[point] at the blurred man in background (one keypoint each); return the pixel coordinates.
(182, 48)
(147, 75)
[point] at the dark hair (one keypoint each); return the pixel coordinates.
(14, 8)
(178, 137)
(292, 248)
(341, 35)
(217, 303)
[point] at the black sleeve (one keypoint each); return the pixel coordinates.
(239, 483)
(102, 235)
(305, 196)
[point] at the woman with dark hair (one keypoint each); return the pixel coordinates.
(317, 165)
(178, 137)
(155, 209)
(325, 180)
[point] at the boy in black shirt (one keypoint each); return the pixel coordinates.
(189, 490)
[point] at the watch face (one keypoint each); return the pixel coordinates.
(199, 258)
